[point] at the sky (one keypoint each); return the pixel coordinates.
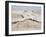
(29, 8)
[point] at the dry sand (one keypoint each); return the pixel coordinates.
(25, 25)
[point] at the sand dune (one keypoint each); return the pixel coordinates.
(26, 25)
(26, 21)
(26, 15)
